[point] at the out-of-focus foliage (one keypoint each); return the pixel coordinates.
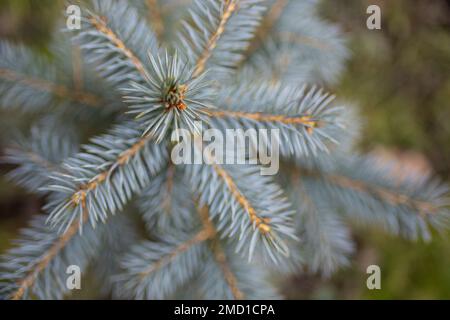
(402, 68)
(399, 76)
(28, 21)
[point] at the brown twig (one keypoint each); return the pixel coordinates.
(43, 262)
(101, 25)
(48, 86)
(156, 18)
(261, 223)
(201, 236)
(219, 255)
(230, 7)
(305, 120)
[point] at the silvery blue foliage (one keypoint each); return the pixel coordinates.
(171, 97)
(109, 29)
(164, 203)
(33, 83)
(364, 188)
(106, 264)
(300, 47)
(103, 178)
(16, 63)
(208, 230)
(233, 22)
(321, 116)
(260, 224)
(39, 154)
(152, 271)
(38, 243)
(251, 281)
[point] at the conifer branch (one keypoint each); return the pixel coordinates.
(37, 159)
(296, 112)
(156, 18)
(244, 213)
(267, 23)
(395, 198)
(170, 98)
(291, 37)
(200, 237)
(47, 257)
(164, 203)
(219, 254)
(224, 273)
(106, 175)
(101, 25)
(271, 18)
(262, 224)
(326, 239)
(292, 44)
(230, 278)
(115, 48)
(58, 90)
(305, 120)
(247, 212)
(40, 154)
(230, 6)
(79, 197)
(361, 186)
(154, 270)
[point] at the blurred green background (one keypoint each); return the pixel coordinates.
(398, 77)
